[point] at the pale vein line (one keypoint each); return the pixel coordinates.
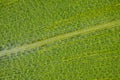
(59, 37)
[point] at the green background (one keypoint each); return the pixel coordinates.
(92, 56)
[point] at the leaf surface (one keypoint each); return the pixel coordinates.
(59, 39)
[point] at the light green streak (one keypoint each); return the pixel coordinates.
(59, 37)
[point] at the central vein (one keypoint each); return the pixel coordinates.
(59, 37)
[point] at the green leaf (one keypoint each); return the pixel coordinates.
(59, 40)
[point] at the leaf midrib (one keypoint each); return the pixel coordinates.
(37, 44)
